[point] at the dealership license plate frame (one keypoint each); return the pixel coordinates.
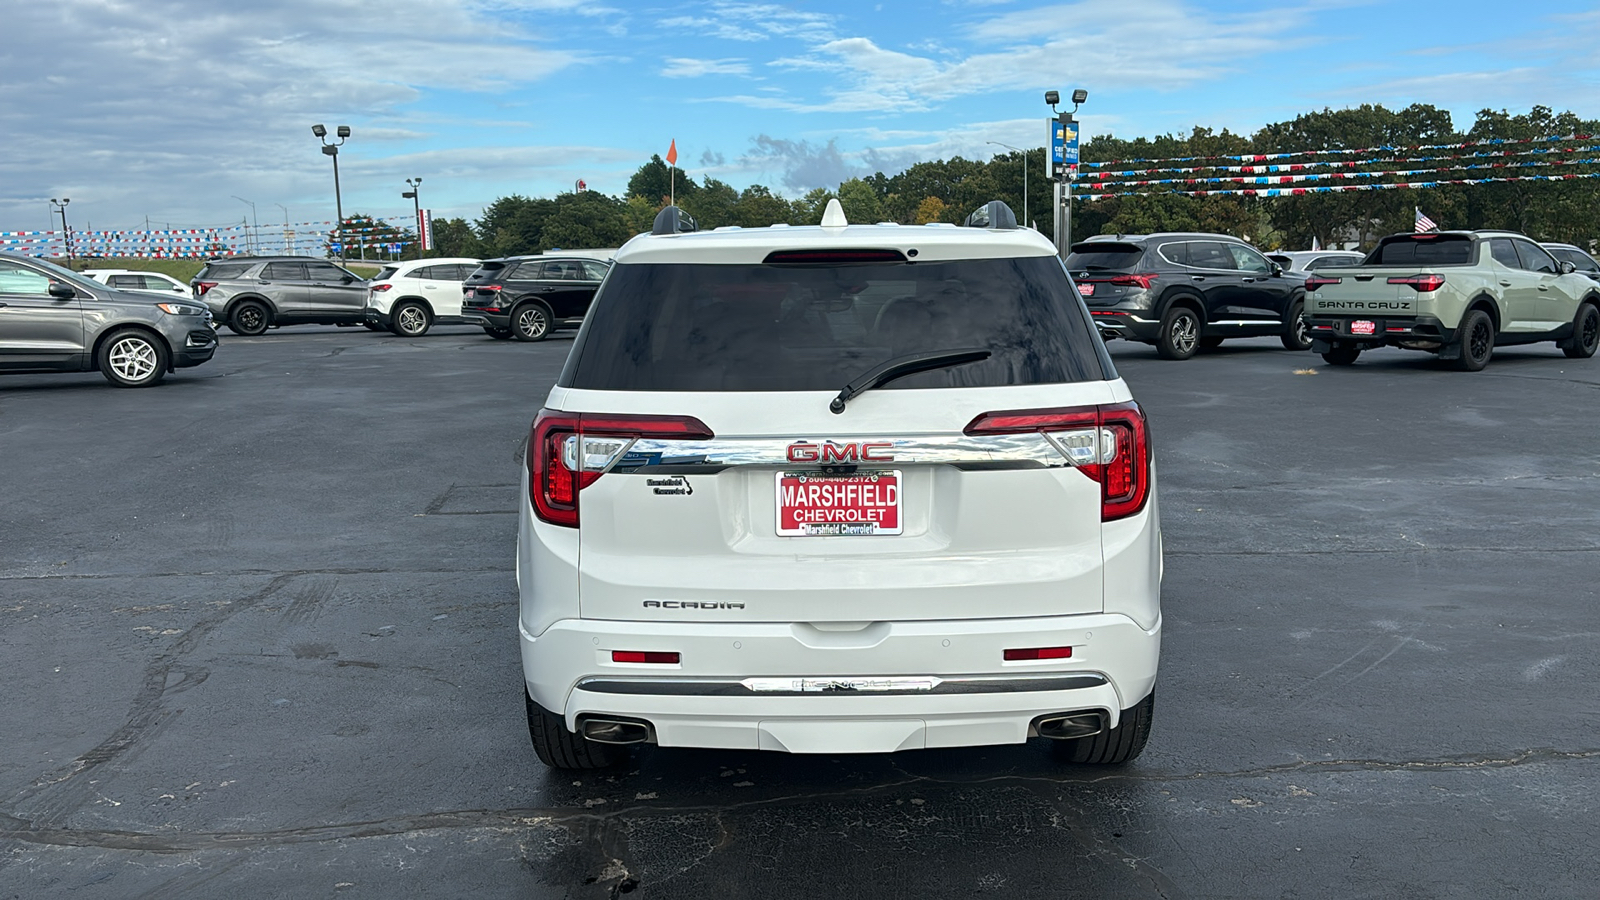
(881, 477)
(1364, 327)
(1086, 289)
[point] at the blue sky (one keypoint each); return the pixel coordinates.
(171, 108)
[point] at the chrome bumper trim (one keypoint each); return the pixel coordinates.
(921, 685)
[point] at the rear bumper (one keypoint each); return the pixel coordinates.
(475, 316)
(1387, 330)
(974, 698)
(1133, 325)
(379, 318)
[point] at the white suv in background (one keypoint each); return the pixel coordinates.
(408, 298)
(141, 282)
(838, 489)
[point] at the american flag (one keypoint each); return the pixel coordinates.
(1424, 224)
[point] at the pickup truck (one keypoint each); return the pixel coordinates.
(1457, 294)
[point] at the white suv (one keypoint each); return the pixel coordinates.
(408, 298)
(838, 489)
(141, 282)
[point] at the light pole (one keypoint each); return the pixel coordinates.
(288, 236)
(66, 233)
(1024, 177)
(416, 205)
(1063, 175)
(333, 151)
(255, 227)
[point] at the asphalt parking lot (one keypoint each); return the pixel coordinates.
(259, 640)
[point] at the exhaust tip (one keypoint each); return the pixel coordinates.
(615, 731)
(1069, 726)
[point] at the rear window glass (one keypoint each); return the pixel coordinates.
(218, 271)
(1097, 255)
(814, 328)
(1444, 250)
(1323, 262)
(486, 271)
(385, 273)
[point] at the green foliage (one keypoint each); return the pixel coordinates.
(454, 237)
(948, 190)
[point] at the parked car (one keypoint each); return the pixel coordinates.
(527, 297)
(408, 298)
(53, 320)
(839, 489)
(1456, 294)
(252, 294)
(1184, 291)
(1306, 260)
(143, 282)
(1582, 262)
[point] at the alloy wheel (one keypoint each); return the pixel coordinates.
(532, 322)
(132, 358)
(1479, 342)
(412, 320)
(1185, 332)
(249, 318)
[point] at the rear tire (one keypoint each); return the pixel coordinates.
(410, 319)
(1477, 341)
(1295, 336)
(1114, 746)
(249, 318)
(530, 322)
(559, 748)
(131, 358)
(1342, 355)
(1585, 332)
(1180, 333)
(499, 334)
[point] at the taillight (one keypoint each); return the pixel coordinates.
(492, 288)
(567, 452)
(380, 288)
(202, 286)
(1317, 281)
(1142, 281)
(1422, 284)
(1109, 443)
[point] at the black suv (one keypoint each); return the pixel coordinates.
(250, 294)
(527, 297)
(1182, 292)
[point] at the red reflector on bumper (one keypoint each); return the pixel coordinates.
(644, 656)
(1039, 653)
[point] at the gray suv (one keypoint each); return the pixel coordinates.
(53, 320)
(250, 295)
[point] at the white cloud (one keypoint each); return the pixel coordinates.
(162, 104)
(736, 21)
(683, 67)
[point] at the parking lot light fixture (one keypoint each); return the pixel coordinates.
(332, 149)
(416, 206)
(66, 233)
(255, 227)
(1024, 176)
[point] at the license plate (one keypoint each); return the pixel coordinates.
(811, 504)
(1363, 326)
(1086, 290)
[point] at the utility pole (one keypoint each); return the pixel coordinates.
(66, 233)
(416, 204)
(1024, 153)
(338, 204)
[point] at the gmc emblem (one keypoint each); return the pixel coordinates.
(852, 452)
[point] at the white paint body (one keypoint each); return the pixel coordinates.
(442, 296)
(985, 561)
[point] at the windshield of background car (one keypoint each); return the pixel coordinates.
(1423, 250)
(222, 270)
(1094, 255)
(1327, 262)
(816, 327)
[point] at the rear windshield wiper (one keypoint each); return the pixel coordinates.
(900, 367)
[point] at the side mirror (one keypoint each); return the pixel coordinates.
(62, 291)
(1277, 270)
(1567, 268)
(348, 279)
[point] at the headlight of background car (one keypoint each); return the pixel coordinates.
(181, 309)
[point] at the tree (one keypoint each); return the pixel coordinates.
(758, 207)
(931, 209)
(454, 237)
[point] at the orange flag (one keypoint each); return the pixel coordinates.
(672, 153)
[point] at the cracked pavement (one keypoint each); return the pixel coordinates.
(258, 627)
